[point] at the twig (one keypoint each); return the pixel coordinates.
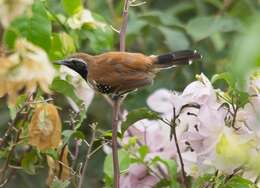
(115, 122)
(117, 101)
(5, 167)
(97, 149)
(58, 20)
(84, 170)
(235, 110)
(124, 26)
(185, 182)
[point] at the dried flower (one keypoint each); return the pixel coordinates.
(9, 9)
(45, 127)
(27, 68)
(59, 169)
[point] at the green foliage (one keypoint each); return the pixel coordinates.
(59, 184)
(246, 52)
(71, 134)
(172, 172)
(143, 150)
(28, 162)
(227, 77)
(62, 45)
(138, 114)
(124, 162)
(65, 88)
(175, 40)
(36, 28)
(223, 182)
(72, 7)
(202, 27)
(238, 182)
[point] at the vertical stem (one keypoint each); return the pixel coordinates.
(124, 26)
(184, 178)
(117, 101)
(84, 170)
(181, 160)
(115, 121)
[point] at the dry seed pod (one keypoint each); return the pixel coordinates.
(45, 127)
(59, 169)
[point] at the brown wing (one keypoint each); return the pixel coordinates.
(121, 71)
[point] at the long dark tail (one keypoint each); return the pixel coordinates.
(182, 57)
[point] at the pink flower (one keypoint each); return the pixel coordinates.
(138, 177)
(154, 134)
(200, 91)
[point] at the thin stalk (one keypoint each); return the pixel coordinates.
(84, 170)
(117, 101)
(115, 122)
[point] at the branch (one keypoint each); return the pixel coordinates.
(84, 170)
(117, 101)
(115, 122)
(173, 127)
(124, 26)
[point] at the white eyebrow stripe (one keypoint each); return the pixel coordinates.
(76, 59)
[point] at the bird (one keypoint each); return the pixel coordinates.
(118, 73)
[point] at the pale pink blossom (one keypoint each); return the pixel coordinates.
(138, 177)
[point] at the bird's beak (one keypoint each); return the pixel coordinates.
(62, 62)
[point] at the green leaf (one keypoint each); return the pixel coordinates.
(35, 27)
(65, 88)
(171, 169)
(203, 27)
(101, 39)
(138, 114)
(175, 40)
(69, 134)
(39, 28)
(53, 153)
(28, 162)
(245, 59)
(227, 77)
(72, 6)
(59, 184)
(17, 28)
(243, 98)
(62, 45)
(156, 18)
(143, 151)
(238, 182)
(124, 162)
(202, 180)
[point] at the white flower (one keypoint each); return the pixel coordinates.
(82, 89)
(84, 17)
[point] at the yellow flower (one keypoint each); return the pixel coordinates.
(45, 127)
(59, 169)
(9, 9)
(27, 68)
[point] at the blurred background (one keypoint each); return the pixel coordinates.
(216, 28)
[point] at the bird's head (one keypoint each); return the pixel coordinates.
(76, 63)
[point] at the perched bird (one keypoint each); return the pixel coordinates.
(117, 73)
